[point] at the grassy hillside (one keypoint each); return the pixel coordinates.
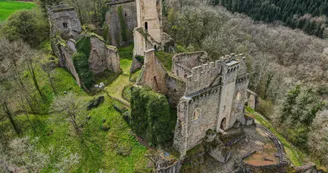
(115, 150)
(9, 7)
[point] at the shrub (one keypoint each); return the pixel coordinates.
(82, 68)
(266, 108)
(29, 26)
(151, 116)
(84, 46)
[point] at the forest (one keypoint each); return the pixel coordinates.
(309, 16)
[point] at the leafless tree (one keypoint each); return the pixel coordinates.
(72, 108)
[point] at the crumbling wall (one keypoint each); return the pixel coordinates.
(153, 73)
(103, 57)
(176, 89)
(182, 63)
(189, 60)
(64, 21)
(113, 21)
(65, 52)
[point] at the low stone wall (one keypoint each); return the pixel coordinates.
(281, 167)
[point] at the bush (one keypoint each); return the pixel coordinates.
(84, 46)
(82, 68)
(265, 107)
(30, 26)
(151, 116)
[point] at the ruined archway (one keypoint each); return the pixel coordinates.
(223, 123)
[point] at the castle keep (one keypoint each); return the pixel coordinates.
(214, 97)
(211, 95)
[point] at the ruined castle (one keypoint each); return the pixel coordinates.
(142, 21)
(208, 95)
(66, 31)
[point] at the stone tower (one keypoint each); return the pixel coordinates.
(149, 16)
(149, 33)
(214, 97)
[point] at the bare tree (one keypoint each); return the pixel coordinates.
(73, 109)
(5, 109)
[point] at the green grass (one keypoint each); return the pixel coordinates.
(126, 52)
(165, 59)
(293, 153)
(100, 149)
(9, 7)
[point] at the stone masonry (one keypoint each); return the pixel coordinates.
(65, 21)
(129, 10)
(215, 95)
(208, 95)
(65, 30)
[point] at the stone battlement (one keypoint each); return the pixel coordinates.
(204, 76)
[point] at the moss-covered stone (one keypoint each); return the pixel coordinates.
(151, 116)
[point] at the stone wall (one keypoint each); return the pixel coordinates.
(153, 73)
(113, 21)
(65, 52)
(64, 21)
(149, 16)
(240, 98)
(196, 114)
(214, 98)
(103, 57)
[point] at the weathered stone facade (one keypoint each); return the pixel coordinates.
(149, 32)
(103, 57)
(214, 97)
(211, 95)
(129, 12)
(64, 21)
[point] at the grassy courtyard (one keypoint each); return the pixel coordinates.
(9, 7)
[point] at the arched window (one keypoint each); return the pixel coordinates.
(146, 26)
(196, 114)
(125, 14)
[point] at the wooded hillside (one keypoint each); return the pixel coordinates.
(309, 16)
